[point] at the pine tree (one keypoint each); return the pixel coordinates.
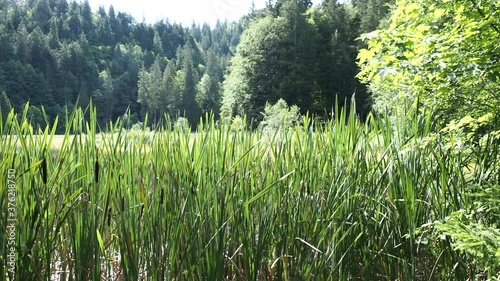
(297, 87)
(103, 29)
(7, 51)
(203, 94)
(87, 22)
(371, 13)
(74, 22)
(42, 15)
(103, 97)
(5, 107)
(206, 38)
(22, 44)
(151, 91)
(171, 95)
(54, 42)
(189, 79)
(61, 7)
(157, 44)
(212, 83)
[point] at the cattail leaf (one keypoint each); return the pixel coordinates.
(266, 189)
(99, 239)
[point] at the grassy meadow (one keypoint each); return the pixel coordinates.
(341, 200)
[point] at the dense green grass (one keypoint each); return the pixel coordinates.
(339, 200)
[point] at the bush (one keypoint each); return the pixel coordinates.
(129, 120)
(182, 124)
(237, 124)
(279, 116)
(139, 134)
(472, 234)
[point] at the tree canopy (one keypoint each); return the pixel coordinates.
(61, 54)
(304, 55)
(441, 55)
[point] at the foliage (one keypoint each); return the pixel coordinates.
(182, 124)
(5, 107)
(372, 13)
(128, 120)
(151, 91)
(475, 231)
(138, 133)
(256, 70)
(441, 55)
(280, 117)
(470, 133)
(301, 54)
(238, 123)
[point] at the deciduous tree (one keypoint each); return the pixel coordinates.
(439, 55)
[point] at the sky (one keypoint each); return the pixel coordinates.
(181, 11)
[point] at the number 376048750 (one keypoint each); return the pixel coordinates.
(11, 186)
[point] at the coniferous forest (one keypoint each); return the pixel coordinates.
(60, 53)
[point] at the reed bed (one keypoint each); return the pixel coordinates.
(341, 200)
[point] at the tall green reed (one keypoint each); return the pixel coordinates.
(337, 200)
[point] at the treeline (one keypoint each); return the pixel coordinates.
(60, 54)
(302, 54)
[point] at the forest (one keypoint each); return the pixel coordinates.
(58, 54)
(347, 140)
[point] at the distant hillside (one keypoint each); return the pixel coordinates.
(60, 54)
